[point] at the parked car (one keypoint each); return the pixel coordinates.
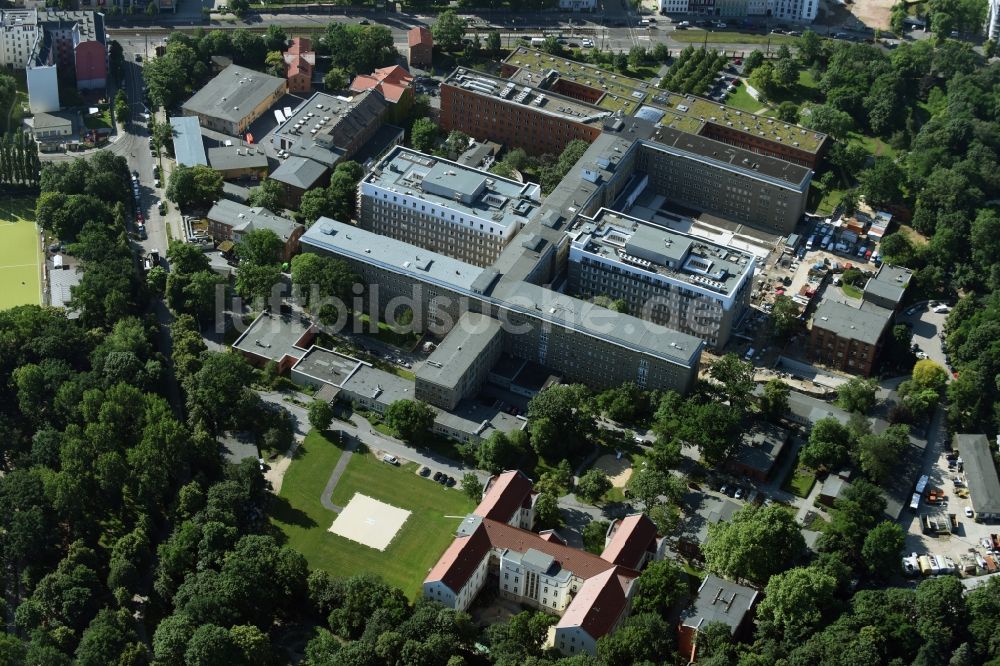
(392, 460)
(450, 481)
(968, 512)
(425, 471)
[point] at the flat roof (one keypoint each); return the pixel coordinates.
(463, 345)
(390, 254)
(760, 446)
(274, 336)
(861, 324)
(719, 154)
(379, 385)
(524, 93)
(980, 472)
(641, 246)
(455, 187)
(474, 417)
(890, 283)
(189, 148)
(614, 327)
(225, 158)
(688, 113)
(326, 365)
(233, 93)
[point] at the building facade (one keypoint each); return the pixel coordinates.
(19, 30)
(491, 108)
(848, 338)
(420, 51)
(665, 276)
(458, 368)
(300, 60)
(443, 206)
(228, 220)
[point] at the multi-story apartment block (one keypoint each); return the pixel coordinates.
(846, 337)
(443, 206)
(665, 276)
(576, 339)
(790, 10)
(591, 594)
(235, 98)
(489, 107)
(721, 179)
(19, 30)
(596, 87)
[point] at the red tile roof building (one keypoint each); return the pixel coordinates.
(393, 82)
(300, 60)
(591, 594)
(421, 47)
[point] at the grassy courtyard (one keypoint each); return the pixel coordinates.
(800, 481)
(299, 514)
(20, 256)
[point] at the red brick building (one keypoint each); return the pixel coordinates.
(489, 108)
(300, 60)
(848, 338)
(421, 47)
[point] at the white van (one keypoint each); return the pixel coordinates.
(749, 355)
(811, 242)
(537, 41)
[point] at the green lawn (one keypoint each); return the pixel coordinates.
(875, 146)
(298, 513)
(851, 291)
(20, 255)
(800, 481)
(100, 121)
(824, 201)
(743, 100)
(698, 36)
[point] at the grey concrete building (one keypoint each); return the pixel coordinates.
(189, 148)
(579, 340)
(887, 287)
(717, 178)
(459, 366)
(443, 206)
(664, 276)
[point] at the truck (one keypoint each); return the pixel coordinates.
(924, 562)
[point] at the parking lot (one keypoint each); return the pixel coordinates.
(967, 540)
(928, 330)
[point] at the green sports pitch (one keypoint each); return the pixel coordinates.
(20, 254)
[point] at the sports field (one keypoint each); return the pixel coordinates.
(435, 514)
(20, 255)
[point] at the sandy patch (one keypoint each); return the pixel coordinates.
(873, 13)
(618, 470)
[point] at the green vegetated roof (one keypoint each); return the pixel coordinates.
(687, 113)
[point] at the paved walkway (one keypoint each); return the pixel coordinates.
(338, 471)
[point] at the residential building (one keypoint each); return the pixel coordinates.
(887, 287)
(575, 339)
(235, 162)
(834, 487)
(298, 175)
(760, 448)
(19, 30)
(595, 86)
(228, 220)
(718, 600)
(993, 19)
(665, 276)
(235, 98)
(848, 338)
(67, 41)
(328, 129)
(491, 108)
(705, 510)
(443, 206)
(280, 338)
(300, 60)
(420, 47)
(590, 594)
(189, 147)
(980, 475)
(458, 368)
(394, 84)
(632, 542)
(674, 6)
(803, 11)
